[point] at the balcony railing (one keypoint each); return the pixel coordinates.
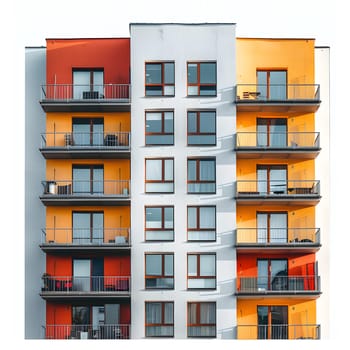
(272, 141)
(89, 284)
(279, 331)
(278, 285)
(86, 236)
(96, 140)
(277, 93)
(119, 188)
(75, 92)
(277, 236)
(87, 331)
(253, 188)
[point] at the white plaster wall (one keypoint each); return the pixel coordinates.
(35, 75)
(182, 43)
(322, 171)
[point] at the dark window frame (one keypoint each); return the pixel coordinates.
(163, 228)
(162, 181)
(199, 133)
(162, 275)
(162, 84)
(198, 227)
(198, 317)
(199, 276)
(162, 133)
(198, 84)
(91, 167)
(198, 161)
(90, 212)
(162, 324)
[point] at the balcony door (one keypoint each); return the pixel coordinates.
(88, 131)
(87, 179)
(271, 132)
(87, 84)
(272, 84)
(87, 228)
(272, 274)
(88, 274)
(272, 179)
(272, 322)
(272, 227)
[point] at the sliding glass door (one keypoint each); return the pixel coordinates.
(272, 227)
(271, 132)
(87, 227)
(272, 322)
(272, 179)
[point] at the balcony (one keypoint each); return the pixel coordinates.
(279, 192)
(290, 98)
(82, 192)
(87, 331)
(278, 240)
(111, 288)
(279, 331)
(68, 145)
(80, 98)
(63, 240)
(300, 145)
(279, 285)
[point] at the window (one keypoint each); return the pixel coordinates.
(87, 84)
(201, 271)
(272, 322)
(201, 319)
(272, 179)
(272, 84)
(159, 319)
(201, 175)
(272, 274)
(159, 128)
(201, 223)
(87, 227)
(201, 128)
(88, 179)
(159, 223)
(87, 132)
(159, 175)
(201, 78)
(272, 132)
(159, 271)
(272, 227)
(160, 79)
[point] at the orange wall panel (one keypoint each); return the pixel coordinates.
(61, 170)
(117, 266)
(295, 55)
(112, 54)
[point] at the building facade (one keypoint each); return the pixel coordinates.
(177, 186)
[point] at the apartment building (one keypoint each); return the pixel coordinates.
(173, 186)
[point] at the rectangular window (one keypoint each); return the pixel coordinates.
(272, 179)
(88, 83)
(159, 224)
(271, 132)
(272, 322)
(201, 271)
(201, 223)
(159, 319)
(88, 227)
(201, 319)
(159, 128)
(201, 78)
(272, 84)
(87, 132)
(201, 177)
(87, 179)
(159, 175)
(160, 79)
(201, 128)
(159, 271)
